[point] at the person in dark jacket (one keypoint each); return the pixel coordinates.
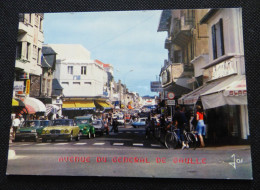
(114, 125)
(181, 120)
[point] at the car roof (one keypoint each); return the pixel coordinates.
(82, 117)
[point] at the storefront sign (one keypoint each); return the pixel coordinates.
(156, 86)
(24, 76)
(27, 90)
(236, 93)
(18, 86)
(222, 69)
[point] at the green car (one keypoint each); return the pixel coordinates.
(31, 129)
(85, 125)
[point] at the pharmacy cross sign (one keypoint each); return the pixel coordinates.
(170, 95)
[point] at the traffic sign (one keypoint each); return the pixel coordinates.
(170, 102)
(170, 95)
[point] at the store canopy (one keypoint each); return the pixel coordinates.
(105, 105)
(78, 105)
(37, 105)
(51, 108)
(231, 91)
(17, 102)
(27, 110)
(192, 97)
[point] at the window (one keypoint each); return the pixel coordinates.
(40, 23)
(70, 70)
(28, 51)
(30, 18)
(76, 83)
(35, 52)
(36, 20)
(39, 55)
(83, 70)
(65, 83)
(218, 39)
(19, 50)
(87, 83)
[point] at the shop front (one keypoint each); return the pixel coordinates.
(72, 109)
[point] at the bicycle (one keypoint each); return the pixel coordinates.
(191, 138)
(172, 139)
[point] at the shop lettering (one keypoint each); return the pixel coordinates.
(197, 161)
(130, 160)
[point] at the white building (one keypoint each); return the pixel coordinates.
(77, 73)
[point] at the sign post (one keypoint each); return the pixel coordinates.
(171, 101)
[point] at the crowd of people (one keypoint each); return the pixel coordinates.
(181, 120)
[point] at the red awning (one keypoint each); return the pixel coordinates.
(27, 110)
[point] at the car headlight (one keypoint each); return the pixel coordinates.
(43, 132)
(47, 131)
(66, 131)
(33, 131)
(62, 131)
(85, 128)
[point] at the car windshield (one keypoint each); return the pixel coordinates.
(32, 123)
(63, 122)
(45, 123)
(82, 121)
(96, 122)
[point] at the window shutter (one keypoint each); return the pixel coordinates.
(222, 36)
(214, 48)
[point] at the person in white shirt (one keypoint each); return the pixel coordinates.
(16, 124)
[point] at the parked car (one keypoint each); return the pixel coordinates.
(31, 129)
(141, 122)
(61, 129)
(85, 125)
(99, 129)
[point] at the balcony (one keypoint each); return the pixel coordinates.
(23, 23)
(167, 44)
(181, 30)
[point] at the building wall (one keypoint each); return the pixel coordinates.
(30, 32)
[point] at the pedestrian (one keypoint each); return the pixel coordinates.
(181, 120)
(200, 128)
(114, 125)
(16, 124)
(105, 125)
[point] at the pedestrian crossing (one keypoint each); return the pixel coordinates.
(134, 144)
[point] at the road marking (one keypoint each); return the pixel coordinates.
(98, 143)
(80, 143)
(42, 144)
(156, 145)
(138, 144)
(118, 144)
(136, 132)
(60, 143)
(24, 144)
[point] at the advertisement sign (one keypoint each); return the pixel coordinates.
(18, 86)
(27, 90)
(156, 86)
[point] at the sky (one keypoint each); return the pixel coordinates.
(128, 40)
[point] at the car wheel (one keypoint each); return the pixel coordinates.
(78, 137)
(89, 135)
(70, 138)
(35, 138)
(44, 140)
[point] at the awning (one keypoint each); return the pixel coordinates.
(37, 105)
(105, 105)
(17, 102)
(51, 108)
(231, 91)
(78, 105)
(27, 110)
(192, 97)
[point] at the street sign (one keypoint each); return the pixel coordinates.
(27, 90)
(170, 95)
(170, 102)
(156, 86)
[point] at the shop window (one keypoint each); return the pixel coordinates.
(83, 70)
(19, 50)
(70, 70)
(218, 39)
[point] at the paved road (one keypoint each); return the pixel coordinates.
(128, 153)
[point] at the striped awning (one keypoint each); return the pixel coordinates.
(17, 102)
(50, 108)
(105, 105)
(37, 105)
(78, 105)
(27, 110)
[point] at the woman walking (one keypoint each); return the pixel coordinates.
(200, 125)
